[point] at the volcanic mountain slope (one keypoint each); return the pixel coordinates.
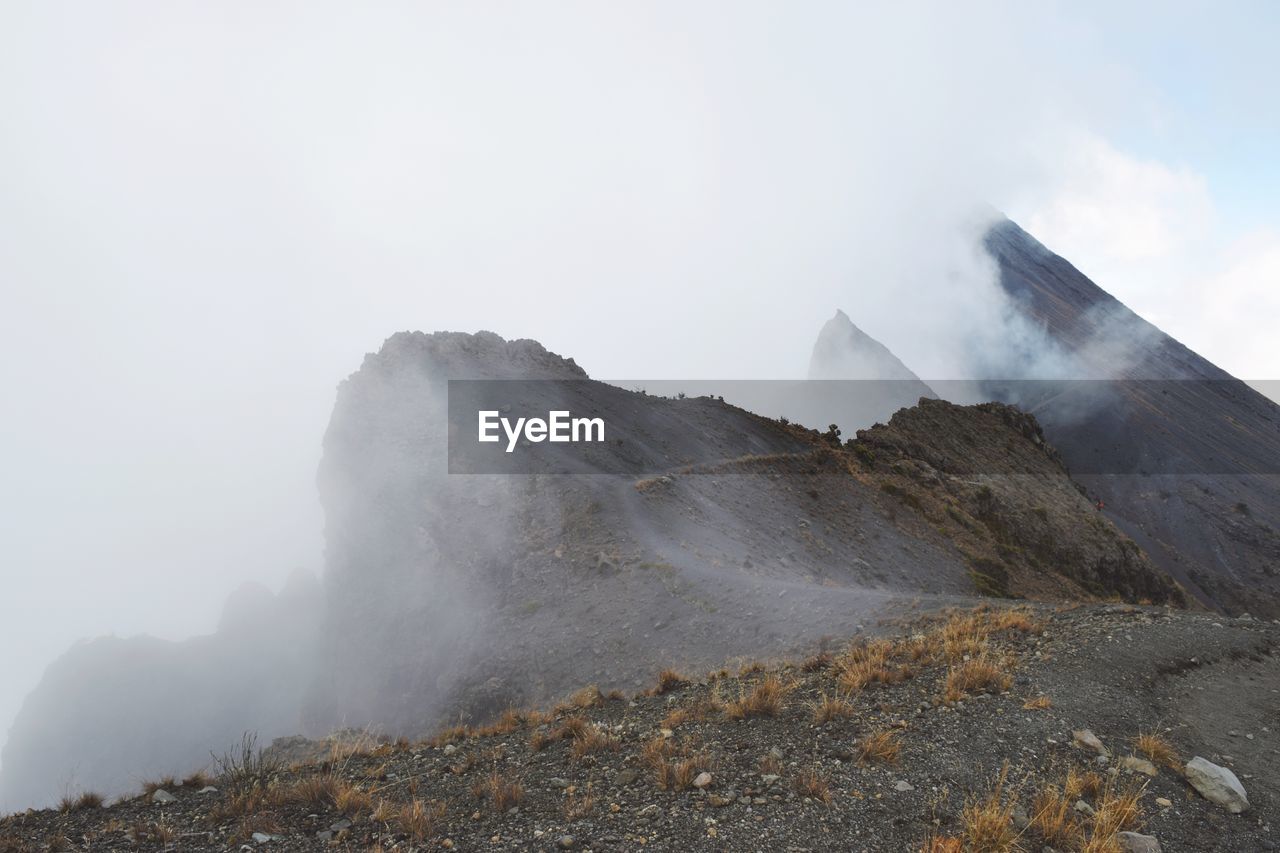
(1074, 728)
(1185, 457)
(719, 533)
(696, 533)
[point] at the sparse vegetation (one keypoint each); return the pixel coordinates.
(980, 674)
(459, 788)
(86, 800)
(765, 699)
(810, 783)
(829, 708)
(245, 768)
(988, 821)
(879, 747)
(669, 680)
(501, 791)
(1159, 750)
(419, 820)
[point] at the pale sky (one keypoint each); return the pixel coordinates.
(210, 211)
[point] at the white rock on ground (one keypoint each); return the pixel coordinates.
(1138, 765)
(1133, 842)
(1089, 740)
(160, 795)
(1217, 784)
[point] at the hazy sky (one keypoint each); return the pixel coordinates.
(210, 211)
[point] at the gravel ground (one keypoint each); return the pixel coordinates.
(780, 781)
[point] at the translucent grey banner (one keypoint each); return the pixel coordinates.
(640, 428)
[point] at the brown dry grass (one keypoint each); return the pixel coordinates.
(352, 801)
(1117, 809)
(501, 792)
(1053, 816)
(668, 680)
(868, 663)
(977, 675)
(1159, 750)
(83, 802)
(766, 699)
(988, 821)
(199, 779)
(881, 747)
(817, 662)
(810, 783)
(590, 741)
(696, 711)
(419, 820)
(676, 775)
(1079, 784)
(1037, 703)
(829, 708)
(577, 806)
(943, 844)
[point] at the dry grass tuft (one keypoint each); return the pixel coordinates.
(766, 699)
(587, 697)
(1053, 816)
(693, 712)
(820, 661)
(1116, 810)
(501, 792)
(316, 792)
(829, 708)
(577, 806)
(676, 775)
(1158, 750)
(812, 784)
(943, 844)
(510, 720)
(879, 747)
(988, 821)
(591, 741)
(864, 664)
(668, 680)
(977, 675)
(84, 802)
(770, 766)
(199, 779)
(350, 800)
(419, 820)
(1077, 784)
(1037, 703)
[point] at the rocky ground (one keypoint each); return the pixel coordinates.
(1031, 728)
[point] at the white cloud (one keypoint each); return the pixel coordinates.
(1149, 233)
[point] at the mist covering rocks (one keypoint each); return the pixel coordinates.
(707, 532)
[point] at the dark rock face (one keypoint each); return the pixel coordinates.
(114, 712)
(1204, 501)
(1025, 527)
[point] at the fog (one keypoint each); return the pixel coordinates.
(209, 213)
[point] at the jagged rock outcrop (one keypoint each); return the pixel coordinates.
(716, 532)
